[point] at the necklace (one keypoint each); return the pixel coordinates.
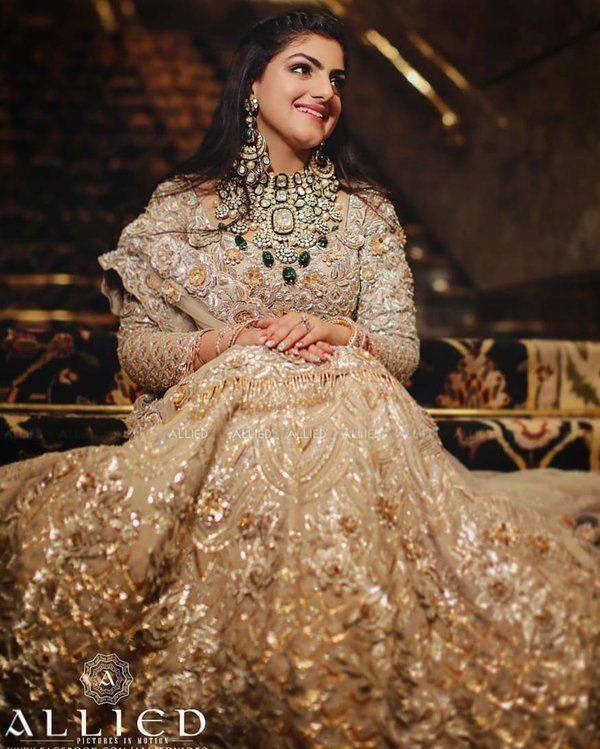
(291, 213)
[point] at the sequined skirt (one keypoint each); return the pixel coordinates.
(289, 549)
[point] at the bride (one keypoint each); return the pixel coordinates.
(283, 543)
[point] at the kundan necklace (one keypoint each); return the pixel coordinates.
(290, 213)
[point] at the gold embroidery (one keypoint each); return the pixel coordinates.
(503, 533)
(171, 291)
(152, 281)
(379, 244)
(232, 255)
(253, 278)
(313, 280)
(196, 276)
(368, 274)
(540, 542)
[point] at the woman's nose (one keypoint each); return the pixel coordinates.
(324, 89)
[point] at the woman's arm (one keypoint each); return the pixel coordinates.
(386, 312)
(151, 349)
(154, 359)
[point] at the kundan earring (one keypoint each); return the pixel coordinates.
(253, 162)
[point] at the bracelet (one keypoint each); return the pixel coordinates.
(241, 327)
(195, 352)
(347, 323)
(233, 332)
(218, 341)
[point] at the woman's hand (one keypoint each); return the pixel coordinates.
(314, 353)
(288, 332)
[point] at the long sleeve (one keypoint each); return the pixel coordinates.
(386, 310)
(154, 359)
(155, 338)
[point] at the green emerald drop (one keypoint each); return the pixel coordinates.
(268, 258)
(240, 241)
(304, 258)
(322, 241)
(289, 275)
(221, 225)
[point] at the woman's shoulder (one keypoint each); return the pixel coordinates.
(373, 199)
(378, 210)
(182, 190)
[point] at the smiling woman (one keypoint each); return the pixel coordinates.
(311, 89)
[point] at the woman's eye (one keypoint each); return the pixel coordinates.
(304, 67)
(339, 82)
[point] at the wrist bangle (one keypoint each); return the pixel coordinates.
(195, 352)
(241, 327)
(218, 341)
(233, 332)
(347, 323)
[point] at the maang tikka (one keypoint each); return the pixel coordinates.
(288, 212)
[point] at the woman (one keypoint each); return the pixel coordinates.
(283, 542)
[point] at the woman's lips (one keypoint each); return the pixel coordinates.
(310, 114)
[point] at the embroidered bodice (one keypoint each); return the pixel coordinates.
(172, 279)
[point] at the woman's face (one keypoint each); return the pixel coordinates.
(308, 72)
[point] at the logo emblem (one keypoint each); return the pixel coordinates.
(106, 679)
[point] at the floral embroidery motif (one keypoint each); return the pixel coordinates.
(379, 244)
(503, 533)
(166, 257)
(331, 256)
(368, 275)
(232, 255)
(254, 278)
(540, 542)
(197, 275)
(171, 291)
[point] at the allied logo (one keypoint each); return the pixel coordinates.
(106, 679)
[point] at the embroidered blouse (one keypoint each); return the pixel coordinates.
(167, 278)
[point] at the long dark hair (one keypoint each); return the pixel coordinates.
(223, 140)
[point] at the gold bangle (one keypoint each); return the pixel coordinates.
(233, 332)
(240, 327)
(218, 341)
(347, 323)
(195, 353)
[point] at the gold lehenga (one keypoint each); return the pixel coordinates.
(288, 547)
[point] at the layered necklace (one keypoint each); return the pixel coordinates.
(290, 213)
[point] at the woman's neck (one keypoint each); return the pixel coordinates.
(285, 159)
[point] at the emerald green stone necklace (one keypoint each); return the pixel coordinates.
(290, 213)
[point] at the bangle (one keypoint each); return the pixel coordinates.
(218, 341)
(234, 331)
(361, 336)
(241, 327)
(195, 352)
(347, 323)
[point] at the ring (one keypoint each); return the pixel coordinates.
(306, 323)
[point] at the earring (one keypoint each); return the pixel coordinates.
(320, 156)
(253, 162)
